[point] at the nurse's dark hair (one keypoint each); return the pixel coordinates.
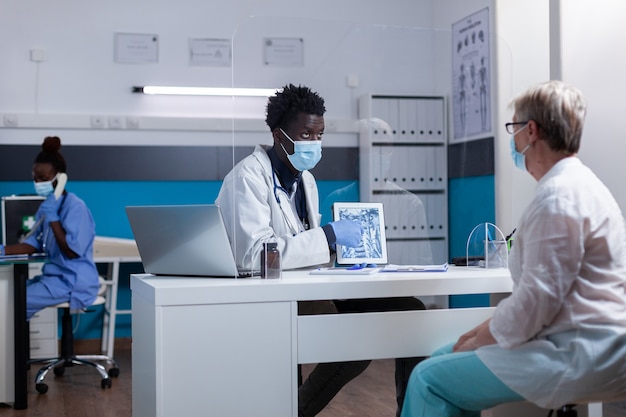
(284, 107)
(50, 154)
(559, 111)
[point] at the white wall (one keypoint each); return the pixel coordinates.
(586, 53)
(79, 75)
(523, 60)
(593, 41)
(386, 45)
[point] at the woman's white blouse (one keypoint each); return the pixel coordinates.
(562, 332)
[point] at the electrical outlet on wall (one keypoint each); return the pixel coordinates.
(37, 55)
(132, 122)
(10, 120)
(116, 122)
(97, 122)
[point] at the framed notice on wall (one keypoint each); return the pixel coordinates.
(136, 48)
(471, 77)
(283, 52)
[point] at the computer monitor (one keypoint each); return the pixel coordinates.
(18, 216)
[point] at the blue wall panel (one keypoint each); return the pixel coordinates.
(107, 200)
(471, 201)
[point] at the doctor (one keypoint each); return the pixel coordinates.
(272, 195)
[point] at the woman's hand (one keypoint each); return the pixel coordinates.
(475, 338)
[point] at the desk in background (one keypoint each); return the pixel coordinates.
(14, 351)
(13, 328)
(113, 252)
(231, 347)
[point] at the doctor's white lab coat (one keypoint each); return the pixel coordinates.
(256, 208)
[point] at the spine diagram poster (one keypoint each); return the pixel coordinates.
(471, 76)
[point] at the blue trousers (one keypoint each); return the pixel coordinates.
(454, 385)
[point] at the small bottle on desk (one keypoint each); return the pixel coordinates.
(270, 261)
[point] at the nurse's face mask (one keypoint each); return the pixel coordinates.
(306, 153)
(45, 188)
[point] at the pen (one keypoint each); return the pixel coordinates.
(509, 238)
(510, 235)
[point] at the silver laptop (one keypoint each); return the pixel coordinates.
(188, 240)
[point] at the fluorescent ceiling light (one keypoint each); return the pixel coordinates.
(205, 91)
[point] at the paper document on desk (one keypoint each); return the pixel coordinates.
(23, 256)
(415, 268)
(345, 271)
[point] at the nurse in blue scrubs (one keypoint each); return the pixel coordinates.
(65, 231)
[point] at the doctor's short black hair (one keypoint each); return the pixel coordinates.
(284, 107)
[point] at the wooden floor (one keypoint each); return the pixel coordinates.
(373, 393)
(78, 394)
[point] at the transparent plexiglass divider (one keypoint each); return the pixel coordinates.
(393, 112)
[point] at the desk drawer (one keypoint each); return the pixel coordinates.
(47, 315)
(392, 334)
(44, 348)
(42, 331)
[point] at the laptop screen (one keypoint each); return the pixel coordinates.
(187, 240)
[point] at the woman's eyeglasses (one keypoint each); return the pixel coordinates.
(510, 127)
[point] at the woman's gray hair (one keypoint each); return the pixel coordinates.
(558, 109)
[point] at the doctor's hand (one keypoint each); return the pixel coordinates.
(50, 208)
(347, 233)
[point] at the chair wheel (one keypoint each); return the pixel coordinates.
(106, 383)
(114, 372)
(59, 370)
(41, 388)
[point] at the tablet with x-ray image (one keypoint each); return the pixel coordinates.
(373, 247)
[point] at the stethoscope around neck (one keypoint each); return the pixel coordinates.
(294, 228)
(45, 232)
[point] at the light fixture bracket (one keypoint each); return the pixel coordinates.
(204, 91)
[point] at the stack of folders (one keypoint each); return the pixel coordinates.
(415, 268)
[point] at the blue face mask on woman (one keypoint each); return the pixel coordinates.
(519, 158)
(306, 153)
(44, 188)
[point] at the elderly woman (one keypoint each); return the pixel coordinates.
(560, 337)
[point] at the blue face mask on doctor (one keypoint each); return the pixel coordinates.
(519, 158)
(306, 153)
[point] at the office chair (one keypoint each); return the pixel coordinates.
(567, 410)
(68, 358)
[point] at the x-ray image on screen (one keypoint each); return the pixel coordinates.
(373, 247)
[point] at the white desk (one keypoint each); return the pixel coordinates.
(226, 347)
(110, 306)
(113, 252)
